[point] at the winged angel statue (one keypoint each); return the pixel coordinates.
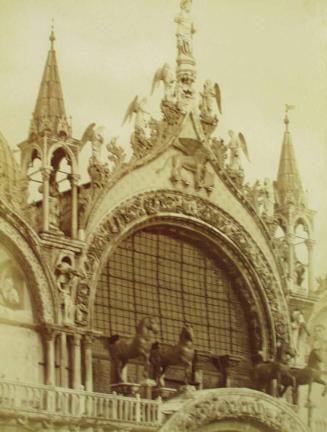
(236, 143)
(137, 107)
(210, 93)
(94, 135)
(139, 138)
(166, 75)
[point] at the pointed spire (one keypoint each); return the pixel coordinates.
(49, 113)
(289, 184)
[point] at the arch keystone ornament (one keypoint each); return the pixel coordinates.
(228, 409)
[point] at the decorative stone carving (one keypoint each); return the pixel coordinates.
(300, 333)
(219, 149)
(185, 29)
(167, 77)
(239, 405)
(116, 154)
(10, 293)
(300, 271)
(66, 281)
(99, 174)
(210, 93)
(194, 160)
(40, 284)
(169, 203)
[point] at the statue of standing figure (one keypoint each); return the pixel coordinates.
(235, 145)
(299, 333)
(185, 29)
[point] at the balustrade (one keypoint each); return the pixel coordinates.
(29, 398)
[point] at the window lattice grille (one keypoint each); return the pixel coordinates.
(156, 274)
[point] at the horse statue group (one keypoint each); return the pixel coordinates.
(273, 376)
(278, 371)
(144, 346)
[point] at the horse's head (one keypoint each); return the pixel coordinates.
(315, 358)
(284, 351)
(187, 333)
(147, 325)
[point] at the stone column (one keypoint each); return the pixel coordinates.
(49, 341)
(77, 373)
(290, 238)
(45, 199)
(63, 360)
(310, 246)
(74, 179)
(88, 341)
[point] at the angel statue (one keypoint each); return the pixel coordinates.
(210, 93)
(94, 135)
(166, 75)
(185, 28)
(236, 143)
(139, 139)
(137, 107)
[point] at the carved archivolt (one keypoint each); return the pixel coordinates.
(240, 405)
(38, 283)
(159, 206)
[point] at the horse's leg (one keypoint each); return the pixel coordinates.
(161, 377)
(188, 373)
(309, 390)
(322, 382)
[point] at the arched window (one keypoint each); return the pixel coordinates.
(165, 273)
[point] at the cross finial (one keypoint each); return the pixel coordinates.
(52, 37)
(286, 119)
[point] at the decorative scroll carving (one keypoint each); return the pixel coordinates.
(171, 203)
(240, 405)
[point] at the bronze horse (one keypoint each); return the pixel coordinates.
(122, 350)
(163, 356)
(265, 372)
(306, 376)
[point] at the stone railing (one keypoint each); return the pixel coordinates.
(31, 398)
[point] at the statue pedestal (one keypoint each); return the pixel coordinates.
(146, 388)
(126, 389)
(164, 392)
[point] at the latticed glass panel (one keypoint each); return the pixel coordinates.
(174, 278)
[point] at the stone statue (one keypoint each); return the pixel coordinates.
(137, 107)
(219, 149)
(185, 29)
(210, 93)
(299, 333)
(66, 284)
(8, 293)
(299, 272)
(268, 199)
(235, 145)
(94, 135)
(116, 153)
(166, 75)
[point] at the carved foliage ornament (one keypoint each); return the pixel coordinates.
(241, 405)
(159, 203)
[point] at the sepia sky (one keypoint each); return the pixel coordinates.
(263, 54)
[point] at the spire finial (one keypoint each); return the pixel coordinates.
(286, 119)
(52, 37)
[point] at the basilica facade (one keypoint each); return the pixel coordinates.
(165, 293)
